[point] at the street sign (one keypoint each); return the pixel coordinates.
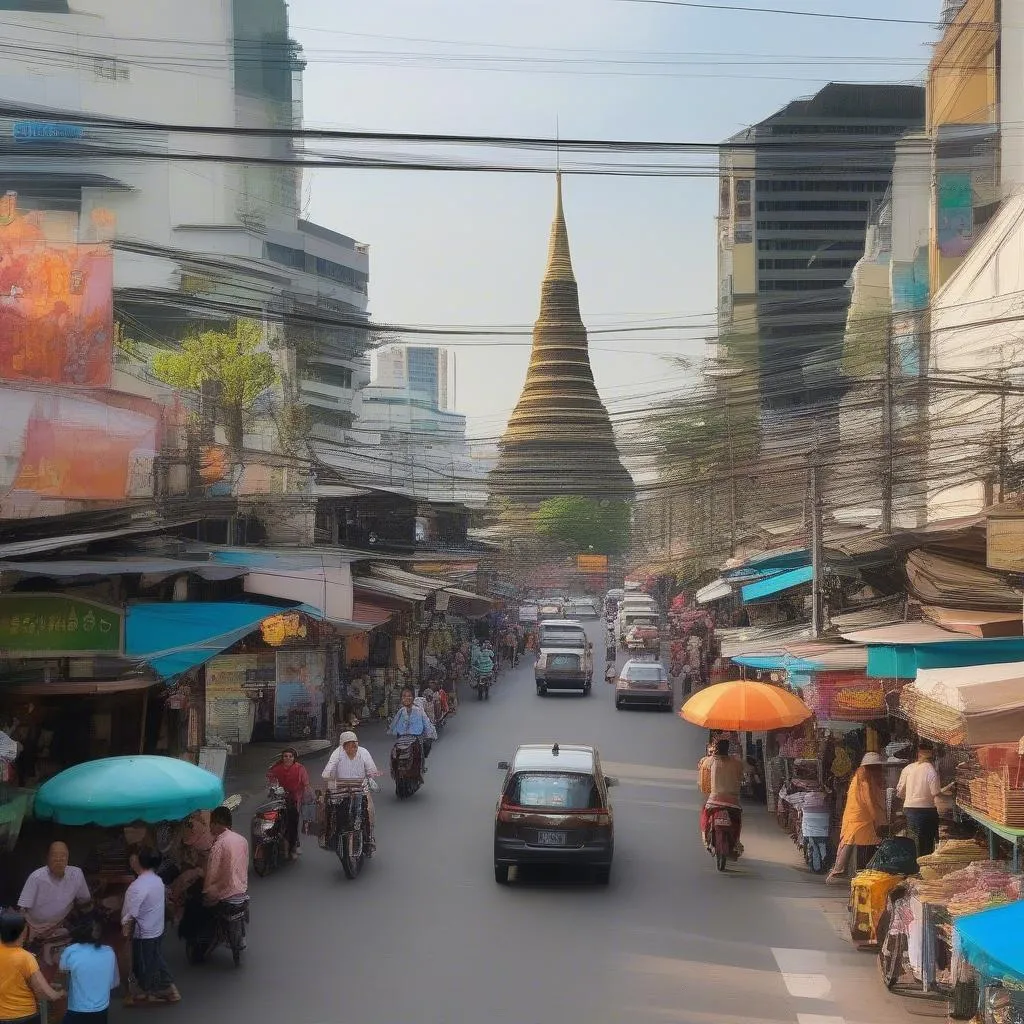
(58, 626)
(592, 563)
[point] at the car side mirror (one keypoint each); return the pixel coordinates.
(503, 765)
(610, 781)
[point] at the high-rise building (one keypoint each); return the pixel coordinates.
(422, 370)
(559, 439)
(796, 193)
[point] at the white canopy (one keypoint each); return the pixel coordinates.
(976, 689)
(713, 592)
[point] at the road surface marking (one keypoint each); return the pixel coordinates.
(816, 1018)
(803, 972)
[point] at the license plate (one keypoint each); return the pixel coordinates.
(722, 818)
(551, 838)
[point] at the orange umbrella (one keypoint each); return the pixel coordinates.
(743, 705)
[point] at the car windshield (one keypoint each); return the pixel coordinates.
(644, 673)
(554, 790)
(553, 639)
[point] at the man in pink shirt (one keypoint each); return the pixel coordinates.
(227, 870)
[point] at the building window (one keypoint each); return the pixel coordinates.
(111, 69)
(812, 225)
(339, 376)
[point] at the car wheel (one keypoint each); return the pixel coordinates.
(501, 874)
(586, 690)
(618, 705)
(603, 874)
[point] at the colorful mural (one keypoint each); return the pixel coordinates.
(60, 446)
(56, 301)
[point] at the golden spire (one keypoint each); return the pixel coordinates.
(559, 259)
(559, 439)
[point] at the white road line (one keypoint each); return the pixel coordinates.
(804, 974)
(816, 1018)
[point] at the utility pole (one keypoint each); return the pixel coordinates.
(887, 432)
(817, 568)
(1002, 436)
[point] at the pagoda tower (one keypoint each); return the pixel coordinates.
(559, 440)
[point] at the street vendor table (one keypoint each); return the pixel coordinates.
(994, 829)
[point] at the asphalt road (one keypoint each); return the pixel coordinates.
(425, 935)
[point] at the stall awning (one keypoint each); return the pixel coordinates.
(761, 639)
(370, 615)
(777, 584)
(936, 579)
(766, 564)
(77, 687)
(982, 624)
(713, 592)
(903, 660)
(810, 657)
(384, 588)
(990, 942)
(124, 567)
(328, 589)
(176, 636)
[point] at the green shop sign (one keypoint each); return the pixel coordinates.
(54, 625)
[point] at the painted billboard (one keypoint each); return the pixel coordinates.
(300, 694)
(62, 446)
(955, 213)
(56, 301)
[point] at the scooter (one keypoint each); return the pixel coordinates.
(351, 838)
(719, 837)
(482, 683)
(224, 925)
(407, 766)
(268, 839)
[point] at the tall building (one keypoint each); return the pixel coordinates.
(796, 193)
(419, 369)
(559, 439)
(195, 242)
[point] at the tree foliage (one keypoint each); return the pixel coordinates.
(230, 358)
(580, 524)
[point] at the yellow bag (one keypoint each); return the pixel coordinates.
(704, 775)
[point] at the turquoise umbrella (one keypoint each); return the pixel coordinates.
(120, 790)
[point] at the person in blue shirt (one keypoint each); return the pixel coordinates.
(92, 970)
(411, 720)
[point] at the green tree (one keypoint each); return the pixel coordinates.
(229, 358)
(580, 524)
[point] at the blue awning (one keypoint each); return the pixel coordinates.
(769, 564)
(177, 636)
(901, 661)
(777, 584)
(990, 942)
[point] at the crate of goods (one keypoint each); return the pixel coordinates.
(868, 894)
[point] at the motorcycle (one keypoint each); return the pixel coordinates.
(351, 838)
(206, 928)
(720, 836)
(407, 766)
(482, 683)
(267, 833)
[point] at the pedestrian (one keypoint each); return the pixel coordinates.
(21, 981)
(291, 775)
(918, 787)
(92, 970)
(864, 814)
(52, 892)
(142, 920)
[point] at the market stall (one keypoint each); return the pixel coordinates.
(990, 943)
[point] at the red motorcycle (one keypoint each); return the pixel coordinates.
(722, 833)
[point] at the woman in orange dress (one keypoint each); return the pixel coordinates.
(864, 813)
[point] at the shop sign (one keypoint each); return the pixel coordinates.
(55, 625)
(1005, 549)
(280, 628)
(592, 563)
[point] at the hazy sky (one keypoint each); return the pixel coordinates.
(468, 249)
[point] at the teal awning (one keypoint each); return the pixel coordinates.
(176, 636)
(777, 584)
(901, 661)
(769, 564)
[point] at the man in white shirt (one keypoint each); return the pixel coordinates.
(353, 763)
(918, 787)
(50, 893)
(142, 920)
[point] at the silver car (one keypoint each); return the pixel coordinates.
(643, 683)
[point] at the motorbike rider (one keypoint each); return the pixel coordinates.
(726, 779)
(351, 762)
(411, 720)
(483, 662)
(292, 777)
